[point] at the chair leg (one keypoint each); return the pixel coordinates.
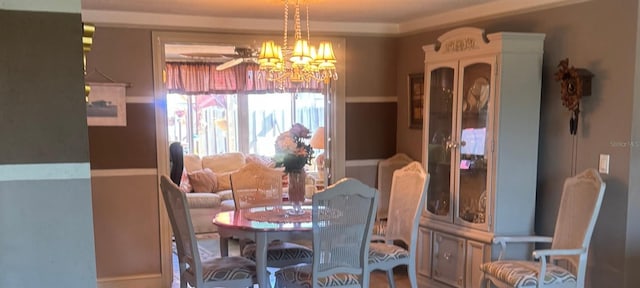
(483, 281)
(392, 283)
(413, 279)
(366, 280)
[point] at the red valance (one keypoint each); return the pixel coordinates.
(190, 78)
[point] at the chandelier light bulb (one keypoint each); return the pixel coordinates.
(304, 63)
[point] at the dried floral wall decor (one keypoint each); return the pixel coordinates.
(574, 83)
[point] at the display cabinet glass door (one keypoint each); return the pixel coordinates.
(440, 115)
(474, 142)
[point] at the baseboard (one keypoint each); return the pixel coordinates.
(134, 281)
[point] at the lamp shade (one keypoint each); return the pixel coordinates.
(317, 141)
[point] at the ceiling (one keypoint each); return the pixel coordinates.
(342, 16)
(387, 17)
(375, 11)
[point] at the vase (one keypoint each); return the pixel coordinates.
(297, 180)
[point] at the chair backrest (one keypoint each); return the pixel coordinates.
(386, 168)
(408, 192)
(343, 217)
(579, 207)
(177, 162)
(256, 185)
(186, 245)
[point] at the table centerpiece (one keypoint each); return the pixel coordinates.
(293, 154)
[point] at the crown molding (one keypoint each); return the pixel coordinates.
(479, 12)
(156, 20)
(499, 8)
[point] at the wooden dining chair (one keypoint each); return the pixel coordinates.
(564, 265)
(197, 272)
(408, 191)
(342, 220)
(255, 185)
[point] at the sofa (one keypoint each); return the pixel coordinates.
(205, 199)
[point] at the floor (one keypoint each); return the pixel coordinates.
(378, 278)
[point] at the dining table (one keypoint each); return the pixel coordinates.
(263, 225)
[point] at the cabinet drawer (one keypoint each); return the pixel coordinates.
(448, 259)
(423, 259)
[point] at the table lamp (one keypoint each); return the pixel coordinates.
(317, 142)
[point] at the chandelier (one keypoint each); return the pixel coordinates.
(303, 63)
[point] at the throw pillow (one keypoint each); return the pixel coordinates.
(185, 185)
(224, 181)
(203, 180)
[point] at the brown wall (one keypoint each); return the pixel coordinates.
(370, 130)
(122, 205)
(124, 55)
(576, 32)
(126, 216)
(598, 35)
(40, 95)
(371, 66)
(370, 72)
(370, 126)
(46, 236)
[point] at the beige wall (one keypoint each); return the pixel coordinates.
(576, 32)
(600, 36)
(370, 119)
(124, 161)
(126, 221)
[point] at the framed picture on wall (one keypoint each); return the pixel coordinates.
(106, 105)
(416, 100)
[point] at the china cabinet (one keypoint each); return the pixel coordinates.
(482, 110)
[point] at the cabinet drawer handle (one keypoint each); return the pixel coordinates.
(447, 255)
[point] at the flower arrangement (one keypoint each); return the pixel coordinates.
(291, 151)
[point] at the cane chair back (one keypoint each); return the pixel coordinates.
(386, 168)
(565, 263)
(577, 215)
(343, 217)
(408, 191)
(211, 272)
(256, 185)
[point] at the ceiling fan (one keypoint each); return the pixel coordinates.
(242, 55)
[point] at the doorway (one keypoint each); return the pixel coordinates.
(334, 111)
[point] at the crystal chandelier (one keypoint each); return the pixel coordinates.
(301, 64)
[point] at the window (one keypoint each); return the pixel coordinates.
(209, 124)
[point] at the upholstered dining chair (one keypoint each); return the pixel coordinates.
(565, 263)
(342, 218)
(406, 202)
(256, 185)
(211, 272)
